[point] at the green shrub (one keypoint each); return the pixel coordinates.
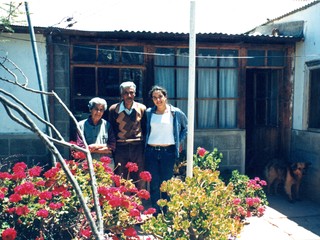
(205, 206)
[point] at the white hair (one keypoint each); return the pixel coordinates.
(97, 100)
(127, 85)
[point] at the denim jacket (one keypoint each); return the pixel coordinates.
(180, 125)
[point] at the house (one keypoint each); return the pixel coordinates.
(305, 130)
(246, 99)
(243, 84)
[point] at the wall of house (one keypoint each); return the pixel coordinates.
(17, 142)
(231, 143)
(305, 144)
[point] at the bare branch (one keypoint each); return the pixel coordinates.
(56, 153)
(33, 113)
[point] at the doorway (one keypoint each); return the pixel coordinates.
(263, 133)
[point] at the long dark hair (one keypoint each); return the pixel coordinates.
(158, 88)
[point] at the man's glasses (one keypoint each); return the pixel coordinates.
(129, 93)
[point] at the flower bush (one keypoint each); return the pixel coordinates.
(43, 205)
(200, 207)
(204, 206)
(251, 198)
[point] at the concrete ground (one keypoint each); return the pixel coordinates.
(281, 221)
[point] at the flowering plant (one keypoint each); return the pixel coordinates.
(38, 204)
(251, 198)
(204, 206)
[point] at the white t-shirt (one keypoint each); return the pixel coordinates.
(161, 129)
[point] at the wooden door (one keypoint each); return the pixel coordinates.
(263, 136)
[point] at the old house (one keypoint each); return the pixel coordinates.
(305, 134)
(249, 100)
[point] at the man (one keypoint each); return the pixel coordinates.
(128, 121)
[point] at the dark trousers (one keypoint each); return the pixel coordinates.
(129, 152)
(160, 164)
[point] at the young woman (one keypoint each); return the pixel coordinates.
(166, 130)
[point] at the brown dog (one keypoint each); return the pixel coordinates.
(290, 175)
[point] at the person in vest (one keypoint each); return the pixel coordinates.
(166, 130)
(128, 121)
(97, 131)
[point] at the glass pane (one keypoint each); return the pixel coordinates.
(207, 83)
(314, 104)
(227, 114)
(84, 53)
(228, 83)
(108, 82)
(183, 57)
(256, 57)
(275, 58)
(81, 110)
(165, 77)
(229, 58)
(132, 55)
(164, 57)
(84, 81)
(108, 54)
(182, 83)
(183, 105)
(133, 75)
(207, 58)
(207, 114)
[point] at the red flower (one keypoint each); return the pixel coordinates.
(130, 232)
(145, 176)
(149, 211)
(46, 195)
(9, 234)
(201, 151)
(25, 188)
(19, 167)
(19, 175)
(132, 167)
(43, 213)
(51, 173)
(15, 197)
(4, 175)
(134, 212)
(35, 171)
(85, 233)
(23, 210)
(54, 206)
(143, 194)
(116, 179)
(236, 201)
(105, 159)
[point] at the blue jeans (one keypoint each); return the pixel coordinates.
(160, 163)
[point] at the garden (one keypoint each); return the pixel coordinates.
(43, 204)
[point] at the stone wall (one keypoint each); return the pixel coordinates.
(305, 147)
(231, 143)
(25, 147)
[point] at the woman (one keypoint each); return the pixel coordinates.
(97, 132)
(166, 130)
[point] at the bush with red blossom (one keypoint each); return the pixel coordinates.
(43, 205)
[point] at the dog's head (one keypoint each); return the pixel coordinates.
(299, 168)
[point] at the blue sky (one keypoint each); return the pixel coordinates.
(225, 16)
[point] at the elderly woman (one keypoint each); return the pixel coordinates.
(97, 131)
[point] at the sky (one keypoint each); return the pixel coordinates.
(211, 16)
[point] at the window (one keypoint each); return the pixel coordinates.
(216, 83)
(98, 70)
(266, 97)
(314, 98)
(270, 58)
